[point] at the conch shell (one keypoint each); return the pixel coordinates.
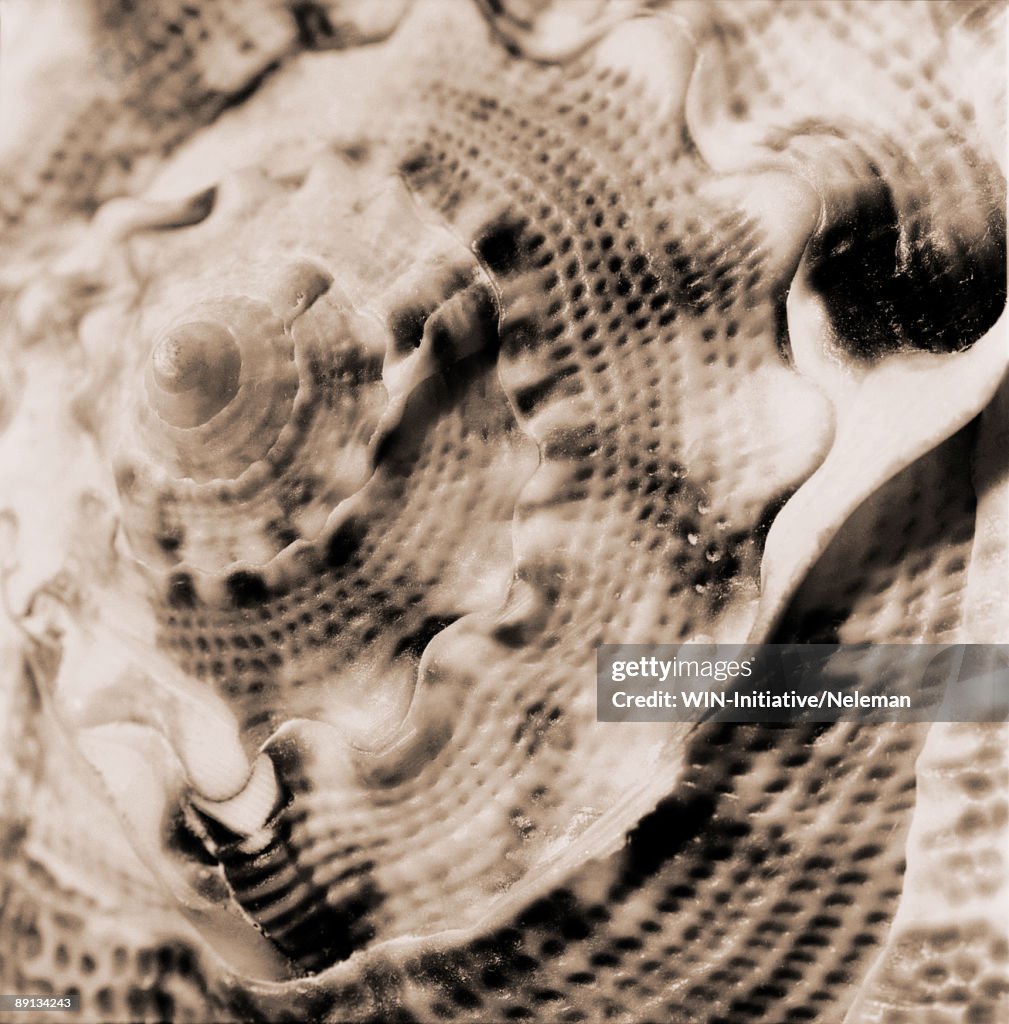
(560, 327)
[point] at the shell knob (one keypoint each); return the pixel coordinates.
(195, 371)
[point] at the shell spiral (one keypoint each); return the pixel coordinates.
(223, 415)
(531, 330)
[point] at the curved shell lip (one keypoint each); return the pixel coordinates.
(601, 837)
(236, 950)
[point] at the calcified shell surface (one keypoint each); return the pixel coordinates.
(364, 367)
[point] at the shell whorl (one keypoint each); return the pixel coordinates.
(258, 407)
(398, 450)
(195, 371)
(218, 392)
(212, 426)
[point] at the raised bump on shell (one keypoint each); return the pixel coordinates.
(195, 371)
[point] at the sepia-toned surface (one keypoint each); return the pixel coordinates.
(365, 365)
